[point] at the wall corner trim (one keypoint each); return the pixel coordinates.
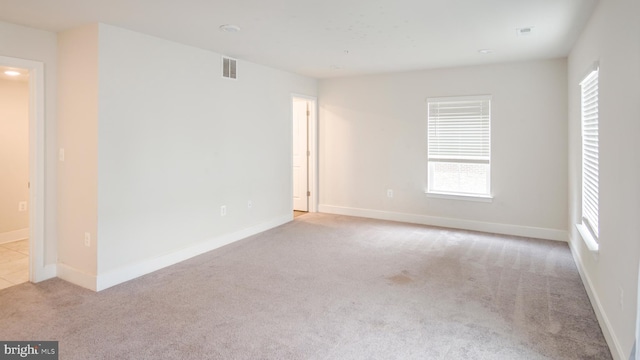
(609, 335)
(130, 272)
(506, 229)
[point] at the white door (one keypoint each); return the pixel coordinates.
(300, 155)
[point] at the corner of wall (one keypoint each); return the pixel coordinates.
(77, 277)
(77, 142)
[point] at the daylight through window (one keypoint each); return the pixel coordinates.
(590, 150)
(459, 146)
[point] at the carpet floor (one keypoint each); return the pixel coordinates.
(328, 287)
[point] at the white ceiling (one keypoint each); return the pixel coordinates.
(331, 38)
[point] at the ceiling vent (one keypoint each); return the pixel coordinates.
(229, 68)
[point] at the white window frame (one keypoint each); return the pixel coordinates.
(431, 158)
(589, 124)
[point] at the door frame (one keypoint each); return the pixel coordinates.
(312, 144)
(37, 270)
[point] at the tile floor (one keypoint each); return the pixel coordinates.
(14, 263)
(297, 213)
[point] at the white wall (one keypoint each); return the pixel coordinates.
(14, 154)
(176, 141)
(611, 37)
(373, 138)
(78, 136)
(168, 141)
(37, 45)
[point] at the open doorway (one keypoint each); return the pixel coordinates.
(14, 183)
(37, 269)
(304, 155)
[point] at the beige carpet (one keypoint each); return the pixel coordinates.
(329, 287)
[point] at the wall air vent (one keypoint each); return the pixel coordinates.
(229, 68)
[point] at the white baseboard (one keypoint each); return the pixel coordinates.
(15, 235)
(506, 229)
(75, 276)
(45, 273)
(605, 325)
(133, 271)
(49, 272)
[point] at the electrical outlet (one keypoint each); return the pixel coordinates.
(22, 206)
(87, 239)
(389, 193)
(249, 204)
(223, 210)
(621, 298)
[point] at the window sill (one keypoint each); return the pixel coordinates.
(449, 196)
(588, 239)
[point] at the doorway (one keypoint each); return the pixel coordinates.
(14, 184)
(35, 202)
(304, 162)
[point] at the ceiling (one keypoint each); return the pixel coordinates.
(333, 38)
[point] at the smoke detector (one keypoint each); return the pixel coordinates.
(229, 28)
(525, 31)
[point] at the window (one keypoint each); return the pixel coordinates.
(459, 146)
(590, 168)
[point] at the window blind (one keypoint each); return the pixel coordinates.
(459, 129)
(590, 162)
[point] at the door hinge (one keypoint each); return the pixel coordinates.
(308, 112)
(308, 193)
(308, 153)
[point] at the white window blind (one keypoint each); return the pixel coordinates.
(459, 145)
(590, 167)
